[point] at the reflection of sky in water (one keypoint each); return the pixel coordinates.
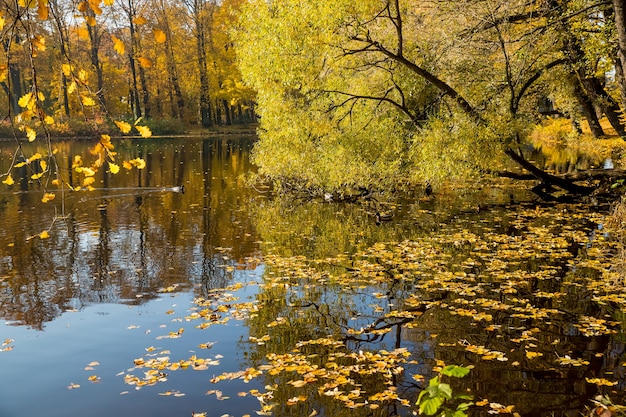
(36, 374)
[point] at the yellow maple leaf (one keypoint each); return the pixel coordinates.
(87, 101)
(144, 131)
(123, 126)
(26, 101)
(42, 9)
(95, 6)
(88, 181)
(159, 36)
(82, 32)
(44, 235)
(139, 163)
(49, 120)
(30, 134)
(67, 69)
(48, 197)
(118, 45)
(114, 168)
(82, 6)
(37, 176)
(144, 62)
(83, 76)
(35, 157)
(39, 42)
(140, 20)
(9, 180)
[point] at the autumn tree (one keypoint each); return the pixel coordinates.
(380, 92)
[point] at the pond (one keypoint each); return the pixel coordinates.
(226, 301)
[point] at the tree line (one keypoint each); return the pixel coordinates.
(128, 59)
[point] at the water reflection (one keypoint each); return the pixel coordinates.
(512, 262)
(131, 236)
(327, 275)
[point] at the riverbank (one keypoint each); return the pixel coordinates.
(76, 129)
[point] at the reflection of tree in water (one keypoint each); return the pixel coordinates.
(125, 243)
(494, 297)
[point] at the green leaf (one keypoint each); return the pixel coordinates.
(430, 406)
(455, 371)
(445, 390)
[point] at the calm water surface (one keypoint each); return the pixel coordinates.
(117, 279)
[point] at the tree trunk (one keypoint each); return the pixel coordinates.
(619, 11)
(205, 99)
(94, 48)
(609, 107)
(544, 176)
(587, 108)
(229, 120)
(63, 42)
(179, 105)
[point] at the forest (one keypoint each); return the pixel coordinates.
(91, 61)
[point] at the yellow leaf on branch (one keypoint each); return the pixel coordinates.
(87, 101)
(95, 6)
(159, 36)
(42, 9)
(26, 101)
(140, 20)
(9, 180)
(118, 45)
(35, 157)
(144, 62)
(30, 134)
(144, 131)
(48, 197)
(123, 126)
(67, 69)
(114, 168)
(44, 235)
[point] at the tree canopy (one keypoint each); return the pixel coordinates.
(383, 92)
